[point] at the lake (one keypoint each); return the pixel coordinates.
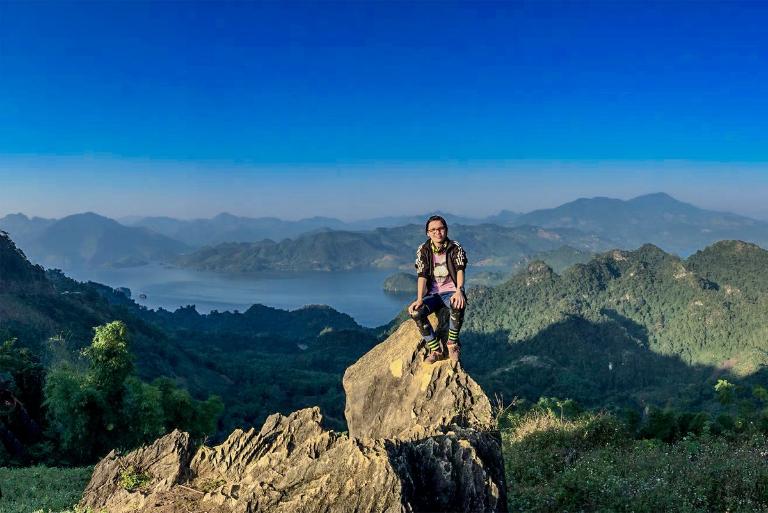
(357, 293)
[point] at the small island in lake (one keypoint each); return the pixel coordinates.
(400, 283)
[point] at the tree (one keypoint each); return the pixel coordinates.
(726, 391)
(110, 358)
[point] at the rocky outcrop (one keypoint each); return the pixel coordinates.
(421, 439)
(128, 483)
(294, 465)
(392, 393)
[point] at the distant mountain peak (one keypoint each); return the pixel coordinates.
(88, 215)
(656, 195)
(658, 198)
(733, 246)
(17, 215)
(539, 267)
(225, 215)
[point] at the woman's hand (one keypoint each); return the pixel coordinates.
(415, 306)
(457, 300)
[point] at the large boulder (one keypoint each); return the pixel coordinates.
(421, 440)
(392, 393)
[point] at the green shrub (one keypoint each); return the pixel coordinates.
(133, 479)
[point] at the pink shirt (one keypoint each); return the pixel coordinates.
(443, 282)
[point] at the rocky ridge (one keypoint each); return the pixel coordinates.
(421, 438)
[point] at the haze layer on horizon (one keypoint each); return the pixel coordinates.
(56, 187)
(364, 109)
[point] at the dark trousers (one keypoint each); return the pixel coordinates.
(433, 303)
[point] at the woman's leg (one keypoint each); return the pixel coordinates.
(454, 327)
(430, 304)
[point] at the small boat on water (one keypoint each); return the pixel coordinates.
(142, 296)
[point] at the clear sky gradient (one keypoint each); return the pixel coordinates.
(358, 109)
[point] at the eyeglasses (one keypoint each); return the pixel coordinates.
(435, 230)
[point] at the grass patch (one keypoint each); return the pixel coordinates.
(591, 464)
(33, 489)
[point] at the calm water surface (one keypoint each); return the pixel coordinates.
(358, 293)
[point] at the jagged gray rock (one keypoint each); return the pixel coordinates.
(294, 465)
(425, 457)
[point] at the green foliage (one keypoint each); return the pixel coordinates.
(92, 411)
(565, 408)
(540, 444)
(142, 404)
(209, 485)
(76, 412)
(39, 488)
(726, 391)
(760, 393)
(592, 464)
(133, 479)
(629, 328)
(110, 359)
(179, 409)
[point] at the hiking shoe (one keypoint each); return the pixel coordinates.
(454, 351)
(434, 356)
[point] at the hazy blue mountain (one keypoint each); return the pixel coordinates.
(489, 247)
(653, 218)
(87, 240)
(229, 228)
(503, 217)
(418, 219)
(22, 228)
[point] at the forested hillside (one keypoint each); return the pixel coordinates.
(629, 328)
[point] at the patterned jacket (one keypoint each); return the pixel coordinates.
(455, 260)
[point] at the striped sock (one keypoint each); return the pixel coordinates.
(453, 336)
(433, 344)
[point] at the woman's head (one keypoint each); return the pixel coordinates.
(437, 229)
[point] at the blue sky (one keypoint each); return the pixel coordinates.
(353, 109)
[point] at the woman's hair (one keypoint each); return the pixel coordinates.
(435, 218)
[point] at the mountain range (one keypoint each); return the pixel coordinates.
(491, 247)
(232, 243)
(658, 219)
